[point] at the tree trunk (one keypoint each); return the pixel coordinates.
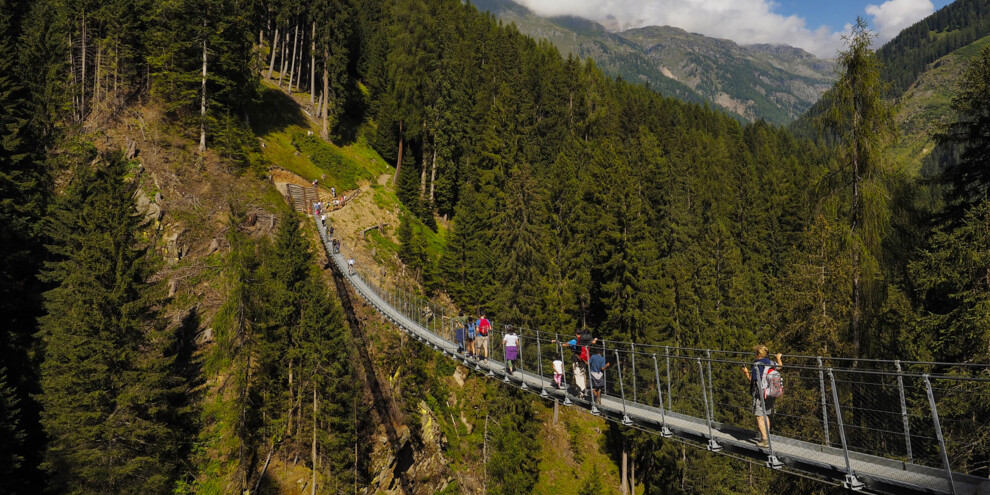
(398, 162)
(433, 173)
(326, 91)
(285, 58)
(632, 475)
(312, 67)
(288, 425)
(72, 69)
(82, 93)
(202, 106)
(422, 172)
(624, 487)
(295, 51)
(855, 320)
(97, 76)
(116, 66)
(314, 436)
(271, 64)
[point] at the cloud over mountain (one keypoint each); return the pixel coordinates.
(743, 21)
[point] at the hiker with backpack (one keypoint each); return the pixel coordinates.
(579, 361)
(470, 332)
(765, 386)
(460, 329)
(481, 340)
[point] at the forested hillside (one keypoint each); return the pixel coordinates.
(776, 83)
(169, 324)
(950, 28)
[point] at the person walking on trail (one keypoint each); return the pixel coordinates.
(333, 192)
(558, 371)
(762, 404)
(481, 340)
(350, 266)
(511, 344)
(460, 324)
(470, 332)
(598, 367)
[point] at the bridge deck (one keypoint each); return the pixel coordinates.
(879, 474)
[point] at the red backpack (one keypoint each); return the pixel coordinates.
(484, 327)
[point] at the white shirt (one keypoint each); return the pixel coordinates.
(558, 367)
(511, 340)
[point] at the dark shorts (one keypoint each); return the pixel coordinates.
(758, 406)
(597, 380)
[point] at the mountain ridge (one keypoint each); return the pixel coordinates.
(777, 83)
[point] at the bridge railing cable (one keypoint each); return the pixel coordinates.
(932, 414)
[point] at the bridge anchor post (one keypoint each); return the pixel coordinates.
(773, 462)
(853, 483)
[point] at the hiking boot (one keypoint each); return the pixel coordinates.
(763, 444)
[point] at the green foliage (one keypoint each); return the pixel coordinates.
(514, 457)
(592, 484)
(341, 171)
(109, 390)
(969, 177)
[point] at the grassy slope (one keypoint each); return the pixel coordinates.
(925, 108)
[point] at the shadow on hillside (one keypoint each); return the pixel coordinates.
(274, 112)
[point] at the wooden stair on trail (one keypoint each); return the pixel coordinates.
(302, 198)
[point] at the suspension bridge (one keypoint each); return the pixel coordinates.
(895, 427)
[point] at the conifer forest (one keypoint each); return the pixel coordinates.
(170, 323)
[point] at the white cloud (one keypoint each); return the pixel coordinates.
(742, 21)
(890, 17)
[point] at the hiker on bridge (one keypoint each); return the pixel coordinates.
(579, 361)
(470, 332)
(762, 406)
(510, 342)
(598, 366)
(481, 339)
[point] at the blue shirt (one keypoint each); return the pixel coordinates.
(597, 363)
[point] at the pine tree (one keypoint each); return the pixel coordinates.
(520, 247)
(108, 391)
(23, 199)
(862, 121)
(969, 179)
(12, 434)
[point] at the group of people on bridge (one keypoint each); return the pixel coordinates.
(589, 365)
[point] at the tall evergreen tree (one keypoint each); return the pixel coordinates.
(862, 121)
(969, 179)
(108, 389)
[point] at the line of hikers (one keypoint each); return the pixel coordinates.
(472, 336)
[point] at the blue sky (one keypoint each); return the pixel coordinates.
(834, 14)
(814, 25)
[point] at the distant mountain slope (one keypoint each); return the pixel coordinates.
(908, 56)
(584, 38)
(776, 83)
(924, 109)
